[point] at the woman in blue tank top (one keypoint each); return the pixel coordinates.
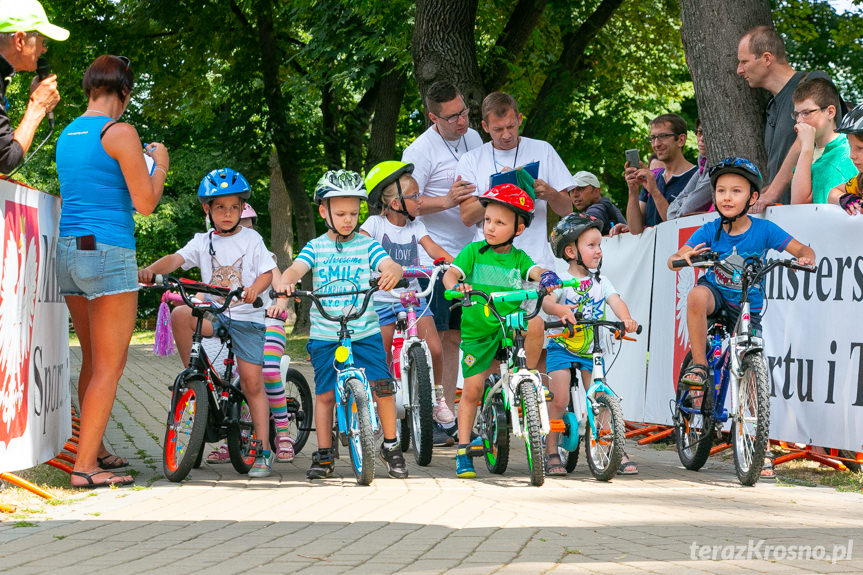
(103, 178)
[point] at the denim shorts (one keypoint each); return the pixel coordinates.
(107, 270)
(368, 354)
(247, 338)
(725, 312)
(444, 318)
(558, 357)
(387, 313)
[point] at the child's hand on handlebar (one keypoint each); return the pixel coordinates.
(278, 307)
(630, 325)
(250, 294)
(549, 280)
(691, 252)
(388, 279)
(462, 287)
(805, 261)
(145, 276)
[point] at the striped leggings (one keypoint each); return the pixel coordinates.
(274, 347)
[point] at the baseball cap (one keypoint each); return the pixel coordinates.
(583, 178)
(28, 16)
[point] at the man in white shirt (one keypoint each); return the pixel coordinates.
(507, 150)
(435, 155)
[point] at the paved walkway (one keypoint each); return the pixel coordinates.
(664, 520)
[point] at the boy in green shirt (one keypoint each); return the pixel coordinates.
(491, 265)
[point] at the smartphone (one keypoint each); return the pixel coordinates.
(87, 243)
(633, 159)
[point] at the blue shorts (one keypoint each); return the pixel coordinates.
(387, 313)
(107, 270)
(558, 357)
(444, 319)
(247, 338)
(727, 314)
(368, 354)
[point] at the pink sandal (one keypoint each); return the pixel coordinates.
(285, 451)
(219, 455)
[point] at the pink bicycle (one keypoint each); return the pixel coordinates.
(412, 368)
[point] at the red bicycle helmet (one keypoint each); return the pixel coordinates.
(513, 197)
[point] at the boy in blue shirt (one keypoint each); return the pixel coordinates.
(343, 260)
(736, 185)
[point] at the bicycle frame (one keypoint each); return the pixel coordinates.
(346, 373)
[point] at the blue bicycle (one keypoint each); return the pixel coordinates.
(356, 419)
(735, 361)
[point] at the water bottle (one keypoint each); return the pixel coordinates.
(398, 341)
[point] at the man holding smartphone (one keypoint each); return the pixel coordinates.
(24, 30)
(649, 193)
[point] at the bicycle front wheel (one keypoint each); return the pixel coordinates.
(361, 440)
(694, 431)
(604, 449)
(184, 433)
(495, 433)
(751, 420)
(421, 424)
(532, 432)
(300, 408)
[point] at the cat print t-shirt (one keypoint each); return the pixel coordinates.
(238, 261)
(402, 243)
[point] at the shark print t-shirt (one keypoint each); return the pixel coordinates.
(402, 243)
(238, 261)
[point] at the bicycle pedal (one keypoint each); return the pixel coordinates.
(256, 449)
(475, 450)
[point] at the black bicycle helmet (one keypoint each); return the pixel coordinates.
(568, 230)
(852, 122)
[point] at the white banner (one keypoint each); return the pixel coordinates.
(35, 409)
(813, 343)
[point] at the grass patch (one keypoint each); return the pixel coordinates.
(812, 474)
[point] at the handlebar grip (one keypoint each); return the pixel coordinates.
(638, 331)
(555, 324)
(258, 302)
(679, 263)
(451, 294)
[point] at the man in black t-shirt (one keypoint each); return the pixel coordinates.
(587, 198)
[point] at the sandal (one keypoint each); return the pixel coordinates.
(284, 448)
(120, 479)
(767, 471)
(112, 461)
(219, 455)
(554, 465)
(695, 375)
(628, 467)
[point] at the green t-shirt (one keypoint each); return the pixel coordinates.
(832, 169)
(490, 272)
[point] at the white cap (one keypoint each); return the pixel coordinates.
(583, 178)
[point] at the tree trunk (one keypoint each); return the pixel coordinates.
(732, 113)
(443, 48)
(511, 43)
(281, 235)
(563, 75)
(285, 140)
(382, 142)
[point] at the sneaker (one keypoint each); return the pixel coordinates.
(440, 437)
(442, 412)
(263, 466)
(395, 461)
(464, 465)
(323, 464)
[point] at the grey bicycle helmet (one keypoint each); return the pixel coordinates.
(568, 230)
(340, 184)
(852, 122)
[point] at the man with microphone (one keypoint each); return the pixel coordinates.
(24, 30)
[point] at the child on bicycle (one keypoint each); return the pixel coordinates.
(577, 239)
(395, 194)
(342, 260)
(231, 256)
(850, 194)
(491, 265)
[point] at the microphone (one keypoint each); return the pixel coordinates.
(43, 70)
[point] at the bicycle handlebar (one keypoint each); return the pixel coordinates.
(617, 326)
(183, 284)
(516, 296)
(430, 272)
(356, 313)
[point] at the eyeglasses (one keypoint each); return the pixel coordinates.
(38, 35)
(699, 132)
(454, 118)
(665, 136)
(803, 114)
(413, 197)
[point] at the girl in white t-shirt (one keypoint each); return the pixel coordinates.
(395, 193)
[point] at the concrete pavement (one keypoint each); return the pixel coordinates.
(664, 520)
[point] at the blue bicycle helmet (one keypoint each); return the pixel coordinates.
(223, 182)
